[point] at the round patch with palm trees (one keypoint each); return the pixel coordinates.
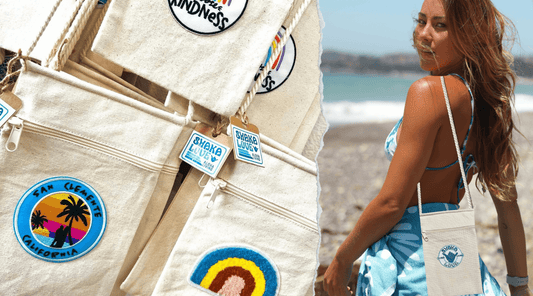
(59, 219)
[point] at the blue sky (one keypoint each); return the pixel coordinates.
(381, 27)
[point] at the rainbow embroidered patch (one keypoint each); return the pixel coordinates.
(59, 219)
(235, 271)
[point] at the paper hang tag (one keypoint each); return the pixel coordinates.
(9, 104)
(205, 152)
(246, 143)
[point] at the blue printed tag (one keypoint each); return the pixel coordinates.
(6, 111)
(205, 153)
(246, 143)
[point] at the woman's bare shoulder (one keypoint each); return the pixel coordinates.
(426, 96)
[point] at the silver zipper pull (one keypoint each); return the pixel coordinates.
(16, 130)
(219, 184)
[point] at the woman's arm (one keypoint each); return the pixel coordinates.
(512, 236)
(423, 116)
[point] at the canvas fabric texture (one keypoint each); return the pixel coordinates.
(314, 142)
(82, 48)
(450, 242)
(109, 141)
(146, 38)
(111, 82)
(271, 210)
(292, 106)
(23, 19)
(148, 268)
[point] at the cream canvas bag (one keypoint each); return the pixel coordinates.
(252, 228)
(201, 50)
(87, 165)
(449, 240)
(57, 25)
(288, 102)
(148, 268)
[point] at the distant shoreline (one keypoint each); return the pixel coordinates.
(399, 63)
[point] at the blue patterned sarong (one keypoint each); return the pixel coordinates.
(394, 265)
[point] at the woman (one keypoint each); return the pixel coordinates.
(463, 38)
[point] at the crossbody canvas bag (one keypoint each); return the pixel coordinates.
(449, 240)
(263, 218)
(205, 51)
(88, 164)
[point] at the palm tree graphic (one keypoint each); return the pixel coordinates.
(73, 210)
(37, 220)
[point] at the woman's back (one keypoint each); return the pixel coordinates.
(440, 180)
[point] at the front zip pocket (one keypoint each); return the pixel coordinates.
(223, 186)
(19, 126)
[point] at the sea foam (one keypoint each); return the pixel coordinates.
(344, 112)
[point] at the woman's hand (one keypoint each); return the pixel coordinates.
(520, 291)
(337, 277)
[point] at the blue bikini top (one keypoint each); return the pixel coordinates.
(391, 144)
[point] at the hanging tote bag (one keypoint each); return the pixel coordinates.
(449, 241)
(148, 268)
(56, 23)
(85, 165)
(201, 50)
(252, 230)
(287, 103)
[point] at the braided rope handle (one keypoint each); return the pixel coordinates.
(250, 96)
(94, 31)
(4, 84)
(73, 34)
(456, 141)
(460, 159)
(34, 43)
(47, 61)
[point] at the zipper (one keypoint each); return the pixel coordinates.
(14, 137)
(233, 190)
(426, 232)
(18, 124)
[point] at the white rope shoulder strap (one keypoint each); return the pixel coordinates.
(450, 116)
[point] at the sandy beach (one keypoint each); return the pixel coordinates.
(353, 166)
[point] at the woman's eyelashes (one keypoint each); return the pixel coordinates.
(422, 22)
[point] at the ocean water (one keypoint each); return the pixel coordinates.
(376, 98)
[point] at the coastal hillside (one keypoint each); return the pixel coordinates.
(341, 62)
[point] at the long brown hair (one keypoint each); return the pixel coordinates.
(478, 31)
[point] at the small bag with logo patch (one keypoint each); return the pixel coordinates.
(255, 226)
(201, 50)
(87, 175)
(449, 241)
(287, 104)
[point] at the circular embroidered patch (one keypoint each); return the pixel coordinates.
(235, 270)
(59, 219)
(282, 66)
(207, 16)
(450, 256)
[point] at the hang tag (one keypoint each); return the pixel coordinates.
(205, 152)
(9, 104)
(246, 143)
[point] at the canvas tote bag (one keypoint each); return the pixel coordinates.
(56, 23)
(252, 228)
(449, 241)
(148, 268)
(290, 92)
(87, 165)
(201, 50)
